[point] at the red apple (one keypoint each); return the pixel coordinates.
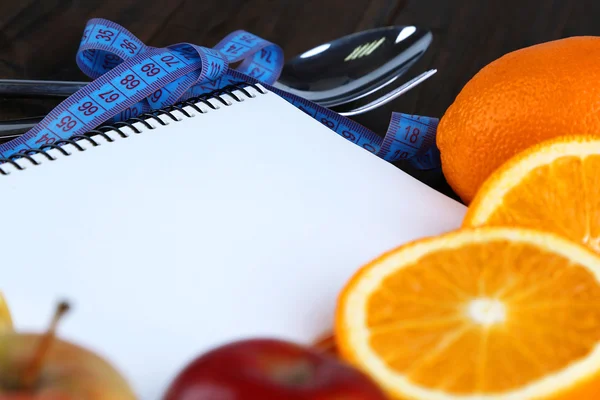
(43, 367)
(265, 369)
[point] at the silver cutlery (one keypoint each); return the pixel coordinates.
(339, 74)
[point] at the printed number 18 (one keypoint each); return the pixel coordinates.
(415, 134)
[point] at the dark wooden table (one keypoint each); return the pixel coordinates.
(39, 38)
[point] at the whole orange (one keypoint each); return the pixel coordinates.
(526, 96)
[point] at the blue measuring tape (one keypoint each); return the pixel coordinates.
(130, 78)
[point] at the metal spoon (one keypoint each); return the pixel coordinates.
(354, 66)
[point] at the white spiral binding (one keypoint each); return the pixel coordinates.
(229, 98)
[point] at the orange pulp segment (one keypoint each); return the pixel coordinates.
(554, 186)
(485, 314)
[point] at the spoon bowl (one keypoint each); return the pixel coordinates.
(354, 66)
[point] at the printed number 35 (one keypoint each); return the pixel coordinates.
(105, 34)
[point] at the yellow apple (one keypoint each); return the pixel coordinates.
(5, 318)
(43, 367)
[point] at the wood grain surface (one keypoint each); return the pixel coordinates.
(39, 39)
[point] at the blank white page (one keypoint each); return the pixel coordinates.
(244, 221)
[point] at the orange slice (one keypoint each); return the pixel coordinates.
(553, 186)
(477, 314)
(5, 318)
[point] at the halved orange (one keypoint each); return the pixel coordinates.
(552, 186)
(6, 323)
(477, 314)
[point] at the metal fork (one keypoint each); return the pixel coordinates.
(10, 129)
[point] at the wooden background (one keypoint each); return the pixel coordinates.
(39, 39)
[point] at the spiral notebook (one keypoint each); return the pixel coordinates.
(189, 231)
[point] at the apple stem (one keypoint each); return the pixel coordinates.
(32, 372)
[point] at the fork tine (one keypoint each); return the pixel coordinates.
(386, 98)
